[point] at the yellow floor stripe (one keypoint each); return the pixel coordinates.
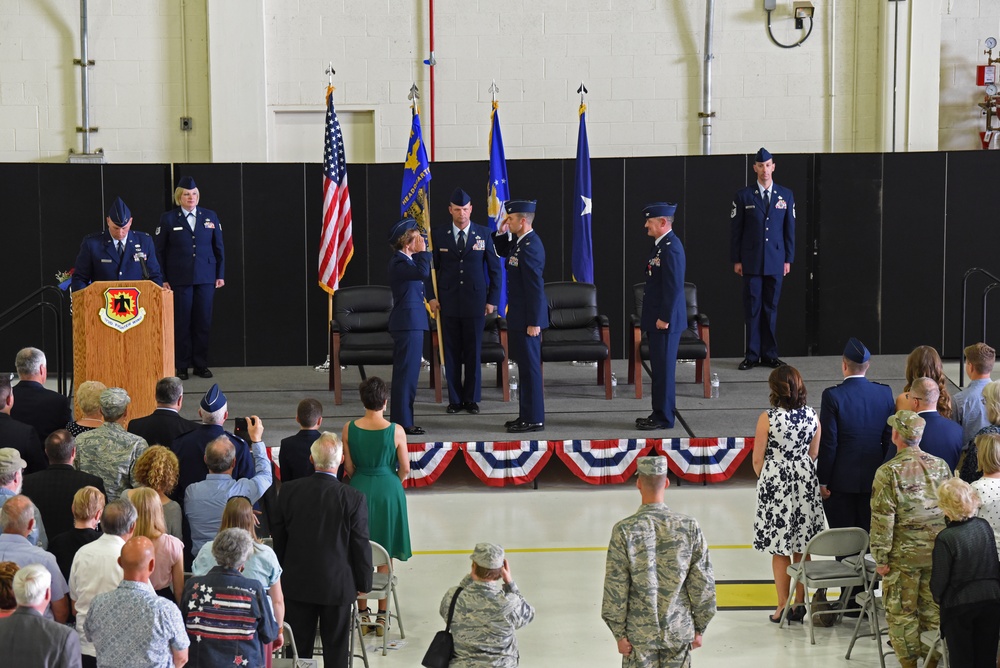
(538, 550)
(755, 595)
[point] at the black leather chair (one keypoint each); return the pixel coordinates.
(359, 331)
(694, 342)
(576, 331)
(494, 350)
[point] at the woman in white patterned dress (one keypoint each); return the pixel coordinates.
(789, 510)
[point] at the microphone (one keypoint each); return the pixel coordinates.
(142, 261)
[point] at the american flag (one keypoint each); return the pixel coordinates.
(336, 247)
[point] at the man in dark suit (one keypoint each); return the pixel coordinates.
(321, 540)
(664, 312)
(13, 434)
(468, 289)
(117, 254)
(164, 424)
(293, 458)
(52, 490)
(527, 308)
(26, 636)
(854, 440)
(34, 404)
(762, 249)
(942, 437)
(189, 244)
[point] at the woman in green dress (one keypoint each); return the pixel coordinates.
(377, 462)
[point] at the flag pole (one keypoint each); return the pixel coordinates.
(325, 366)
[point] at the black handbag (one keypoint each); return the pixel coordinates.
(442, 647)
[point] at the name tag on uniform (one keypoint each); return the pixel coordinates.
(105, 260)
(480, 245)
(443, 250)
(178, 229)
(748, 206)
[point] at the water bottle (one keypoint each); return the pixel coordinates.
(513, 387)
(715, 386)
(614, 385)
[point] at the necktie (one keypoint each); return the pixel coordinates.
(767, 199)
(461, 241)
(121, 249)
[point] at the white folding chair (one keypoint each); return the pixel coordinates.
(383, 587)
(828, 573)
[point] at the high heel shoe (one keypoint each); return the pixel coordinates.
(775, 619)
(797, 613)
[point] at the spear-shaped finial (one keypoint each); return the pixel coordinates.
(414, 93)
(494, 89)
(582, 90)
(330, 72)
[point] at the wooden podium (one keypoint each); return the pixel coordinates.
(123, 336)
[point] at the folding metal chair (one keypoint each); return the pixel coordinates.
(936, 645)
(871, 605)
(827, 573)
(383, 587)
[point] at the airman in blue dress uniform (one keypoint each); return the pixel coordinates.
(117, 254)
(762, 249)
(527, 309)
(468, 288)
(189, 243)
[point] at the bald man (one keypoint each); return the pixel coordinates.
(131, 625)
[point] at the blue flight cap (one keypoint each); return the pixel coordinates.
(856, 351)
(460, 197)
(187, 183)
(762, 155)
(214, 399)
(659, 210)
(520, 205)
(119, 213)
(399, 228)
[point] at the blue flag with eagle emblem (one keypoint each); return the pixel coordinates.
(416, 177)
(497, 192)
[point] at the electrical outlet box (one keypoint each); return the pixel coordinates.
(770, 5)
(187, 124)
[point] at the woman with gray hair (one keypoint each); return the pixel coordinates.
(968, 467)
(88, 398)
(965, 578)
(225, 613)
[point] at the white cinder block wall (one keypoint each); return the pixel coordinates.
(641, 59)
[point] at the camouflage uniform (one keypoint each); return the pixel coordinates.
(109, 452)
(905, 522)
(486, 616)
(659, 590)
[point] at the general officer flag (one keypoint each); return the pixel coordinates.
(497, 192)
(416, 177)
(336, 247)
(583, 247)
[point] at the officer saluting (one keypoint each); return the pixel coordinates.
(117, 254)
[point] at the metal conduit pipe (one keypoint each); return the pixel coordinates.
(85, 75)
(707, 114)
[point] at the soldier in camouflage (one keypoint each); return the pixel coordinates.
(905, 522)
(109, 451)
(659, 590)
(487, 613)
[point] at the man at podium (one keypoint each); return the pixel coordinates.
(118, 253)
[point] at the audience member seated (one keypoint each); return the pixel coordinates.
(27, 635)
(942, 437)
(190, 448)
(131, 625)
(158, 469)
(88, 506)
(262, 564)
(34, 404)
(109, 451)
(96, 569)
(968, 467)
(168, 576)
(965, 578)
(164, 424)
(7, 601)
(18, 435)
(17, 518)
(988, 487)
(88, 398)
(11, 482)
(53, 489)
(293, 458)
(219, 630)
(923, 362)
(970, 412)
(204, 501)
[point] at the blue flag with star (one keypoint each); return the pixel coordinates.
(583, 246)
(497, 192)
(416, 177)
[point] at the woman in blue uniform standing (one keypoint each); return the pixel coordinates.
(409, 266)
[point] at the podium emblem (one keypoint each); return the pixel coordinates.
(121, 308)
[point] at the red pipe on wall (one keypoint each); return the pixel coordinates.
(431, 63)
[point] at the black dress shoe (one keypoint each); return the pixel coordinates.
(454, 408)
(510, 423)
(747, 363)
(649, 425)
(204, 372)
(182, 374)
(774, 364)
(472, 407)
(414, 431)
(521, 427)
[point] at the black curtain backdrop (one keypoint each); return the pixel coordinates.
(882, 242)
